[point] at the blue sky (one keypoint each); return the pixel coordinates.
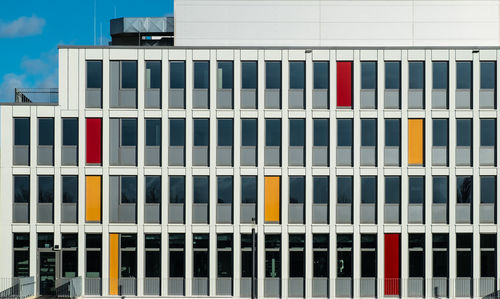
(31, 30)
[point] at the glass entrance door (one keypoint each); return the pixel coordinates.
(47, 273)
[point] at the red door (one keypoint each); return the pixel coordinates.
(94, 131)
(344, 83)
(391, 268)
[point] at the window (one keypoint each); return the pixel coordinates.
(273, 255)
(153, 74)
(320, 255)
(225, 189)
(152, 255)
(488, 74)
(297, 74)
(392, 75)
(344, 255)
(129, 74)
(296, 255)
(273, 132)
(488, 132)
(321, 132)
(225, 132)
(69, 188)
(464, 74)
(273, 74)
(464, 255)
(21, 254)
(129, 189)
(369, 189)
(224, 255)
(69, 262)
(464, 189)
(488, 189)
(440, 189)
(297, 132)
(94, 74)
(177, 189)
(129, 132)
(297, 189)
(22, 188)
(177, 74)
(176, 259)
(393, 132)
(392, 189)
(344, 132)
(201, 74)
(248, 189)
(46, 131)
(440, 75)
(177, 132)
(200, 255)
(246, 254)
(416, 74)
(416, 189)
(70, 131)
(321, 186)
(368, 132)
(440, 132)
(321, 74)
(416, 246)
(368, 255)
(201, 189)
(249, 74)
(249, 132)
(153, 132)
(224, 75)
(45, 189)
(464, 132)
(93, 260)
(128, 260)
(344, 189)
(153, 189)
(368, 75)
(488, 255)
(21, 131)
(45, 240)
(201, 132)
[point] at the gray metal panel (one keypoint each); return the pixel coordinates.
(344, 213)
(152, 286)
(368, 99)
(200, 98)
(128, 285)
(248, 99)
(296, 213)
(439, 155)
(114, 198)
(143, 24)
(272, 156)
(92, 286)
(319, 287)
(392, 99)
(368, 156)
(487, 99)
(463, 213)
(248, 211)
(391, 213)
(415, 213)
(224, 286)
(296, 287)
(487, 213)
(69, 213)
(416, 287)
(200, 286)
(152, 155)
(486, 286)
(320, 155)
(248, 156)
(45, 212)
(176, 98)
(392, 156)
(463, 99)
(114, 83)
(176, 155)
(200, 156)
(114, 141)
(93, 98)
(127, 213)
(246, 287)
(487, 155)
(439, 213)
(367, 287)
(296, 156)
(344, 155)
(45, 155)
(296, 99)
(200, 213)
(69, 155)
(128, 98)
(128, 155)
(27, 287)
(320, 98)
(224, 213)
(320, 213)
(463, 287)
(272, 98)
(152, 98)
(343, 287)
(176, 213)
(21, 212)
(416, 99)
(176, 286)
(21, 155)
(463, 156)
(152, 212)
(439, 98)
(224, 155)
(272, 287)
(225, 98)
(368, 213)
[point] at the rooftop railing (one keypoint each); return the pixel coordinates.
(36, 95)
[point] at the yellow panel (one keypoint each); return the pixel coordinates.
(272, 199)
(113, 264)
(93, 199)
(416, 141)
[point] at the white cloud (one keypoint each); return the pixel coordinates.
(23, 26)
(11, 81)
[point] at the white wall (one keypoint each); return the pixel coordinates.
(336, 23)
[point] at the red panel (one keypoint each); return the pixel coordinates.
(344, 83)
(94, 138)
(391, 286)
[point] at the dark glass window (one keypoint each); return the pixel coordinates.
(392, 132)
(440, 75)
(177, 74)
(488, 255)
(201, 189)
(201, 132)
(93, 241)
(488, 189)
(249, 132)
(70, 131)
(439, 189)
(21, 131)
(200, 255)
(45, 131)
(440, 132)
(416, 189)
(273, 74)
(273, 255)
(344, 255)
(201, 74)
(488, 74)
(129, 74)
(344, 132)
(177, 131)
(128, 241)
(393, 189)
(368, 132)
(464, 74)
(176, 259)
(369, 189)
(246, 255)
(488, 132)
(321, 192)
(224, 255)
(129, 132)
(153, 74)
(225, 74)
(440, 255)
(69, 240)
(416, 246)
(321, 132)
(153, 189)
(129, 189)
(320, 255)
(153, 132)
(344, 189)
(416, 74)
(248, 189)
(21, 240)
(297, 74)
(225, 189)
(273, 132)
(368, 75)
(464, 255)
(45, 240)
(296, 255)
(69, 188)
(249, 74)
(128, 263)
(297, 132)
(94, 74)
(21, 254)
(321, 74)
(93, 259)
(152, 241)
(153, 255)
(177, 189)
(22, 188)
(368, 255)
(464, 132)
(297, 189)
(225, 132)
(45, 189)
(392, 75)
(464, 189)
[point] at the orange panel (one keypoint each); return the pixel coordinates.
(272, 199)
(93, 199)
(416, 142)
(113, 264)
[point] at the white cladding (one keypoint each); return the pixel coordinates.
(337, 23)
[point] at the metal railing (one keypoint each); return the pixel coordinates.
(18, 288)
(37, 95)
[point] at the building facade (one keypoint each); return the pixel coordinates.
(365, 170)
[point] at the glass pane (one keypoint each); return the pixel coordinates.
(21, 188)
(321, 74)
(297, 189)
(464, 74)
(176, 264)
(177, 189)
(200, 241)
(93, 241)
(176, 241)
(201, 192)
(344, 132)
(93, 264)
(129, 132)
(225, 74)
(129, 74)
(440, 241)
(273, 132)
(344, 189)
(321, 189)
(153, 74)
(488, 264)
(45, 240)
(225, 132)
(321, 132)
(297, 132)
(416, 189)
(368, 264)
(201, 74)
(296, 263)
(273, 74)
(153, 264)
(488, 132)
(344, 264)
(45, 189)
(21, 263)
(128, 263)
(70, 131)
(392, 189)
(128, 241)
(464, 189)
(440, 132)
(224, 264)
(69, 264)
(297, 74)
(69, 189)
(440, 189)
(416, 73)
(224, 189)
(368, 75)
(369, 241)
(21, 240)
(46, 131)
(153, 132)
(249, 189)
(152, 241)
(320, 264)
(416, 264)
(392, 132)
(369, 189)
(153, 189)
(225, 241)
(368, 132)
(177, 132)
(488, 77)
(273, 264)
(464, 264)
(249, 74)
(464, 132)
(246, 264)
(129, 189)
(440, 75)
(201, 132)
(249, 132)
(177, 74)
(94, 74)
(392, 74)
(21, 131)
(488, 189)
